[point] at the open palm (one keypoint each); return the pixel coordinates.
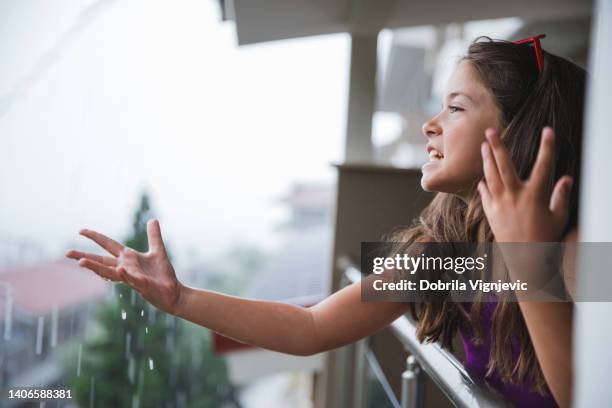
(149, 273)
(521, 211)
(521, 214)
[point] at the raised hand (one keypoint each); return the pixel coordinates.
(150, 273)
(520, 211)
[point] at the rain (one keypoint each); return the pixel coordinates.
(54, 325)
(79, 356)
(74, 325)
(8, 313)
(91, 392)
(128, 343)
(39, 334)
(151, 315)
(131, 368)
(135, 401)
(72, 315)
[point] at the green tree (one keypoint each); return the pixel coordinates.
(143, 357)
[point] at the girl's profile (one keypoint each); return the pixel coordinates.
(504, 165)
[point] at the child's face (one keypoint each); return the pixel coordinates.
(457, 132)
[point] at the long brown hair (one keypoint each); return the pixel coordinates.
(528, 101)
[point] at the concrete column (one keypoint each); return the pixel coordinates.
(362, 99)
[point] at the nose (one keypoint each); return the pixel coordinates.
(431, 128)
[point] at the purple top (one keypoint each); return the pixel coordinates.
(477, 357)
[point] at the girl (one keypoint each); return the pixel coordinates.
(500, 115)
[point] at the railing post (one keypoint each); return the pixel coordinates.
(412, 384)
(430, 360)
(360, 383)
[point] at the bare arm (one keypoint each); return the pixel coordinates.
(550, 329)
(340, 319)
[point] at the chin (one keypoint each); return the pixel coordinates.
(436, 186)
(433, 177)
(428, 185)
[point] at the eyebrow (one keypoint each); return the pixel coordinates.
(457, 93)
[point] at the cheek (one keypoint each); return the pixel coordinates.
(464, 158)
(462, 163)
(463, 147)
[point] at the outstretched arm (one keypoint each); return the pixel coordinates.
(340, 319)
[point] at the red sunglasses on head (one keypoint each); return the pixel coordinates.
(536, 47)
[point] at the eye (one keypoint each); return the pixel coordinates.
(453, 109)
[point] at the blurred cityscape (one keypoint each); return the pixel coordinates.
(48, 306)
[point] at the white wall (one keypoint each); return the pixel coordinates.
(593, 329)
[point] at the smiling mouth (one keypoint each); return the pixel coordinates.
(435, 155)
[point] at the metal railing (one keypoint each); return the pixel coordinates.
(441, 366)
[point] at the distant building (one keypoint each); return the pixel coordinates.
(19, 252)
(41, 308)
(310, 204)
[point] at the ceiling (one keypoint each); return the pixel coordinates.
(270, 20)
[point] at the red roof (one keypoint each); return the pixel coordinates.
(37, 288)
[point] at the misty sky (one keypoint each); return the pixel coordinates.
(135, 94)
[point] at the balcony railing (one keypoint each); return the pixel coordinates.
(431, 359)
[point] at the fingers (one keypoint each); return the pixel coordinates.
(106, 266)
(107, 272)
(120, 274)
(543, 165)
(105, 242)
(494, 182)
(485, 195)
(559, 201)
(156, 243)
(135, 280)
(104, 260)
(505, 166)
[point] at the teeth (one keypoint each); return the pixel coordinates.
(435, 155)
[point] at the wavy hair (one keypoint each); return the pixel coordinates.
(528, 101)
